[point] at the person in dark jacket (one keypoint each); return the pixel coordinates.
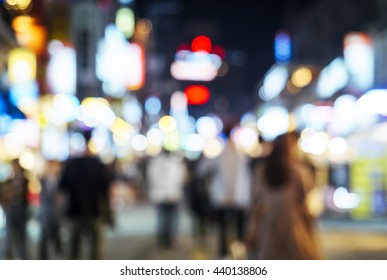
(85, 180)
(50, 209)
(14, 200)
(199, 200)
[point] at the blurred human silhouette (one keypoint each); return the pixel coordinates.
(50, 209)
(230, 194)
(85, 180)
(280, 226)
(14, 200)
(200, 177)
(166, 175)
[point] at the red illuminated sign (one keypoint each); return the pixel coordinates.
(201, 43)
(197, 95)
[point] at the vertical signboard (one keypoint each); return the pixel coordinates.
(359, 59)
(86, 29)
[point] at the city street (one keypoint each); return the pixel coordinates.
(132, 238)
(120, 104)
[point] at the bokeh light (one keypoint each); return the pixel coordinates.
(214, 147)
(125, 21)
(197, 94)
(344, 199)
(301, 77)
(167, 124)
(273, 83)
(144, 26)
(152, 105)
(22, 66)
(337, 146)
(27, 160)
(139, 143)
(95, 111)
(207, 127)
(195, 143)
(273, 122)
(201, 43)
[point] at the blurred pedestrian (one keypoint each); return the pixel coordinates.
(50, 209)
(14, 200)
(280, 226)
(230, 194)
(85, 180)
(166, 175)
(200, 177)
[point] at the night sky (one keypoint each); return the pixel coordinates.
(243, 27)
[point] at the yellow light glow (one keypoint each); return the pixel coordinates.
(302, 77)
(172, 141)
(167, 124)
(17, 4)
(93, 101)
(38, 38)
(11, 2)
(21, 23)
(144, 26)
(95, 145)
(213, 148)
(153, 150)
(23, 4)
(29, 33)
(121, 139)
(27, 160)
(13, 145)
(21, 66)
(122, 129)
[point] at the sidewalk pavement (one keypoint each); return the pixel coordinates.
(133, 238)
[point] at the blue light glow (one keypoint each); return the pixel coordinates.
(153, 105)
(126, 1)
(23, 93)
(282, 47)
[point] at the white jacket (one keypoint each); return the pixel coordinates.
(166, 174)
(231, 183)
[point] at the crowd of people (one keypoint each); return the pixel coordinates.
(257, 206)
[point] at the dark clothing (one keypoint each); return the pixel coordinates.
(90, 227)
(50, 216)
(199, 200)
(85, 180)
(231, 221)
(198, 190)
(167, 222)
(14, 200)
